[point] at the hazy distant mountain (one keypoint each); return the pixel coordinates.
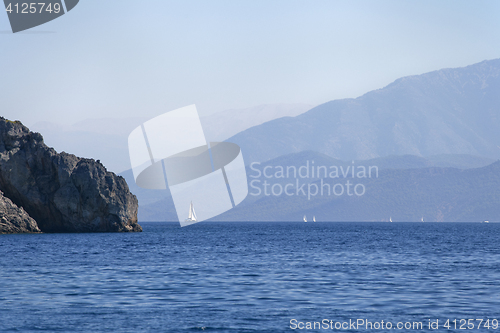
(450, 111)
(222, 125)
(459, 161)
(434, 194)
(106, 139)
(388, 162)
(269, 207)
(157, 205)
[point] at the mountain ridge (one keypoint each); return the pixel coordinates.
(449, 111)
(405, 195)
(157, 205)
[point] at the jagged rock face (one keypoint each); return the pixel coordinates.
(62, 192)
(15, 220)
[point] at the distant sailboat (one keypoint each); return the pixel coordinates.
(305, 219)
(486, 221)
(314, 218)
(192, 214)
(390, 219)
(422, 220)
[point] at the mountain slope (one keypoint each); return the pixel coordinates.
(157, 205)
(450, 111)
(106, 139)
(436, 194)
(222, 125)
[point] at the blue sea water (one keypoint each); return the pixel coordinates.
(252, 277)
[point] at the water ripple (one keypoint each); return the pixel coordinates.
(248, 277)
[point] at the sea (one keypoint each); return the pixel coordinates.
(255, 277)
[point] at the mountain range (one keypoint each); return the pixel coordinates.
(433, 139)
(157, 205)
(106, 139)
(403, 195)
(449, 111)
(222, 125)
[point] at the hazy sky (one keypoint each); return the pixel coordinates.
(121, 58)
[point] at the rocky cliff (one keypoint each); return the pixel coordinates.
(62, 192)
(15, 220)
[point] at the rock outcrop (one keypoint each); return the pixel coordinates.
(62, 192)
(15, 220)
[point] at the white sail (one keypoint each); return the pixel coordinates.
(305, 219)
(192, 214)
(390, 219)
(314, 218)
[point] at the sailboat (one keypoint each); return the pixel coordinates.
(422, 220)
(305, 219)
(314, 218)
(390, 219)
(192, 214)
